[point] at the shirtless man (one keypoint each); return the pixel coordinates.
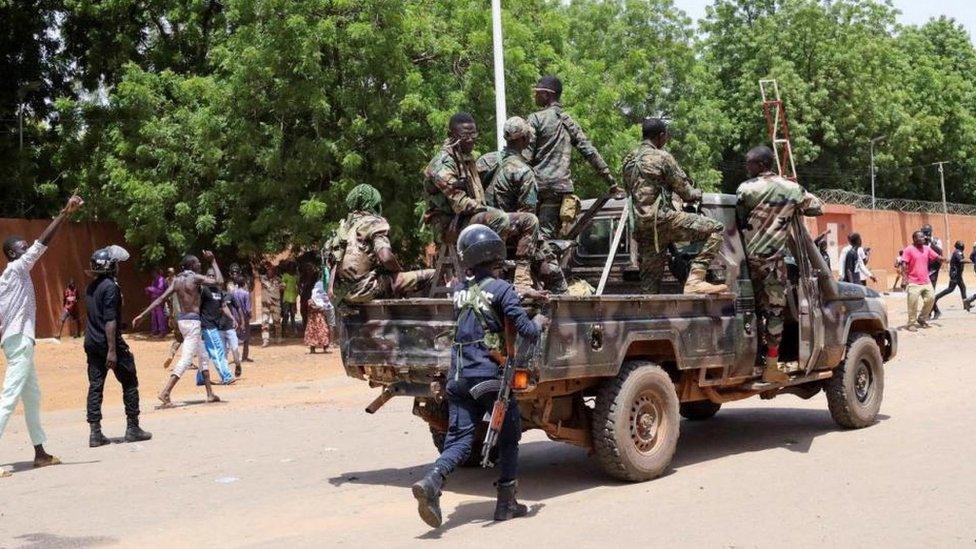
(187, 286)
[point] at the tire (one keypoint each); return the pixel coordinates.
(474, 460)
(700, 410)
(855, 391)
(636, 422)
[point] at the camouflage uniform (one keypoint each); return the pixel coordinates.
(512, 187)
(766, 205)
(355, 252)
(486, 166)
(652, 177)
(455, 199)
(550, 154)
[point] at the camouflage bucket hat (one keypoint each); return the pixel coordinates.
(516, 128)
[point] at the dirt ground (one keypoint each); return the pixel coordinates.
(291, 460)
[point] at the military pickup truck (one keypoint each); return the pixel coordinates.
(615, 372)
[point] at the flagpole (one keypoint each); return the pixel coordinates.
(499, 55)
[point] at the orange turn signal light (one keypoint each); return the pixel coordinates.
(520, 380)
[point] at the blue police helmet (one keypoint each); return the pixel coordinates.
(478, 244)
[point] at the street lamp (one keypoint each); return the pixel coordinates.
(873, 141)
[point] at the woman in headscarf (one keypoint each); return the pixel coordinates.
(317, 333)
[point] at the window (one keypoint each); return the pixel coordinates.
(595, 239)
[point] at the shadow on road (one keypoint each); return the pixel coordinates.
(20, 466)
(53, 541)
(551, 469)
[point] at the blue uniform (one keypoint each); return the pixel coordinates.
(472, 366)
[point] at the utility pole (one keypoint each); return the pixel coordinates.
(499, 55)
(945, 206)
(873, 141)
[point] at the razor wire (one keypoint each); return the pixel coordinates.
(863, 202)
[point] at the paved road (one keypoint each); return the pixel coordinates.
(300, 465)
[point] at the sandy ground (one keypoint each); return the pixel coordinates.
(292, 460)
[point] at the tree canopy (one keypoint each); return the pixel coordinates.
(241, 124)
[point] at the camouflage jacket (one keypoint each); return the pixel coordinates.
(652, 177)
(513, 187)
(452, 185)
(353, 250)
(486, 166)
(550, 152)
(765, 207)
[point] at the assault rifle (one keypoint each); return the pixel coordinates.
(511, 362)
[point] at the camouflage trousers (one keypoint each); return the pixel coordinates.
(556, 209)
(376, 285)
(518, 229)
(652, 249)
(767, 281)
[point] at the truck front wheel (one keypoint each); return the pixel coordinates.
(854, 392)
(635, 422)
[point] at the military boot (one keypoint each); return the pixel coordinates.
(133, 433)
(506, 507)
(97, 438)
(696, 283)
(523, 275)
(428, 493)
(772, 373)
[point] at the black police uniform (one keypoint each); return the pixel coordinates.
(472, 383)
(103, 300)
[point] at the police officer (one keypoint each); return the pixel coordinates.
(105, 348)
(652, 177)
(481, 303)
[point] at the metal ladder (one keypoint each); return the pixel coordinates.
(778, 127)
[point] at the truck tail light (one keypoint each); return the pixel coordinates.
(520, 380)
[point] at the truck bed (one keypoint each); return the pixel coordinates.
(410, 339)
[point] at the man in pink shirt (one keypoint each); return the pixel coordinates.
(915, 275)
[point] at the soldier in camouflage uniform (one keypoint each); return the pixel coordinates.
(549, 154)
(455, 199)
(363, 260)
(766, 205)
(512, 188)
(652, 177)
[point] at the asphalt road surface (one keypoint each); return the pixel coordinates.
(299, 464)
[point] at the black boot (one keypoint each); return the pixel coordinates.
(97, 438)
(428, 493)
(506, 507)
(133, 433)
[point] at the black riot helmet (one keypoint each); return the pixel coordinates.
(106, 260)
(479, 245)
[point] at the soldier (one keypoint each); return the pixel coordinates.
(512, 188)
(481, 304)
(363, 258)
(549, 153)
(766, 205)
(652, 177)
(455, 198)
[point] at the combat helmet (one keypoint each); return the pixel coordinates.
(478, 244)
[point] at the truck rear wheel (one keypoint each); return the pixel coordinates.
(855, 391)
(635, 422)
(700, 410)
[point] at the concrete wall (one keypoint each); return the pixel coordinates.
(887, 232)
(66, 259)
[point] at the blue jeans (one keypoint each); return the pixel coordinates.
(214, 343)
(464, 415)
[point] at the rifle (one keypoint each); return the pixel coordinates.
(500, 407)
